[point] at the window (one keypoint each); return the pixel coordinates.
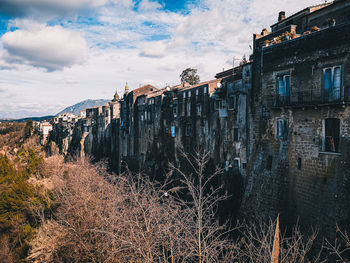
(205, 90)
(188, 108)
(188, 130)
(223, 103)
(217, 104)
(231, 101)
(142, 117)
(282, 128)
(199, 110)
(331, 135)
(173, 131)
(197, 92)
(299, 163)
(332, 82)
(184, 95)
(283, 88)
(235, 135)
(189, 94)
(175, 111)
(269, 163)
(236, 163)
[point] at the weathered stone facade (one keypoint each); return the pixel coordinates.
(280, 123)
(300, 166)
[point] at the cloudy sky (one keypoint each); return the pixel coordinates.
(55, 53)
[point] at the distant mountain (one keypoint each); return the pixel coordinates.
(77, 108)
(28, 118)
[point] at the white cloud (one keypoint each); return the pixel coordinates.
(147, 5)
(156, 49)
(52, 48)
(30, 7)
(122, 48)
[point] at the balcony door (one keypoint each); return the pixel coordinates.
(332, 82)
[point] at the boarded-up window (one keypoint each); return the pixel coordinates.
(337, 77)
(331, 135)
(327, 78)
(332, 83)
(282, 128)
(188, 108)
(283, 85)
(199, 110)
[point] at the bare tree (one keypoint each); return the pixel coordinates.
(129, 218)
(340, 248)
(256, 241)
(205, 240)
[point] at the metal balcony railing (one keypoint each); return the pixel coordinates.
(311, 97)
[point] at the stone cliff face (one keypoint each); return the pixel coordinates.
(279, 126)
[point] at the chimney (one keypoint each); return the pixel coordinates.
(281, 16)
(264, 32)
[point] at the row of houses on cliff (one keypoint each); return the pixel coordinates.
(280, 122)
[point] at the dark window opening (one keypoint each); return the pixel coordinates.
(269, 163)
(331, 135)
(175, 110)
(324, 180)
(235, 135)
(217, 104)
(232, 102)
(299, 163)
(244, 165)
(236, 163)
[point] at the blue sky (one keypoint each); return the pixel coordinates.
(54, 53)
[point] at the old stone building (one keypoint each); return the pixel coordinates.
(300, 164)
(279, 124)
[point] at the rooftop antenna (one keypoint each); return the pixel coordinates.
(233, 64)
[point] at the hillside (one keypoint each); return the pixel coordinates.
(76, 108)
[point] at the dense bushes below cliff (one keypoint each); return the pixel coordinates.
(52, 210)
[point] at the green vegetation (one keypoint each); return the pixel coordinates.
(28, 129)
(22, 203)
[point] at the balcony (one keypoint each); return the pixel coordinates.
(311, 97)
